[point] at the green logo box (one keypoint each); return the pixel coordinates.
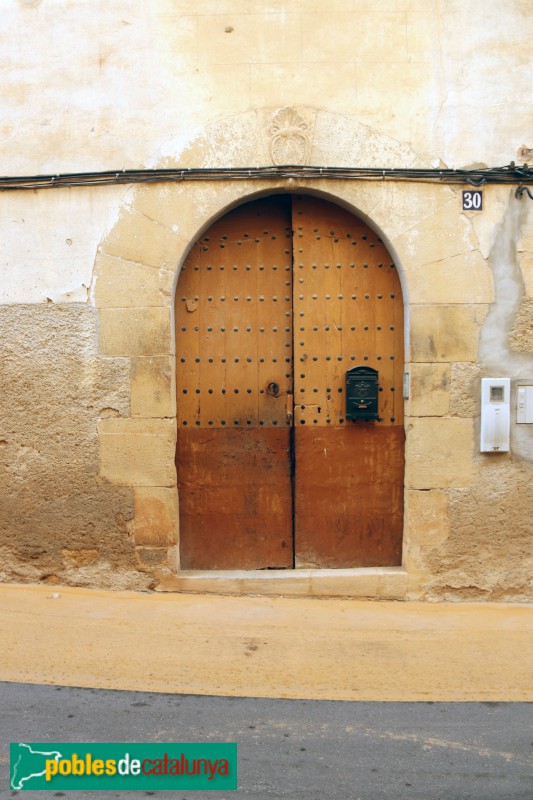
(130, 765)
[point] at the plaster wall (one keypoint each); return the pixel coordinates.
(87, 410)
(88, 86)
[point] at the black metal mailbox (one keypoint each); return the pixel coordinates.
(362, 389)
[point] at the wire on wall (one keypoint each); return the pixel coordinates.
(474, 177)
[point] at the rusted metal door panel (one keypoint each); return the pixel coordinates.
(348, 311)
(235, 498)
(349, 498)
(234, 373)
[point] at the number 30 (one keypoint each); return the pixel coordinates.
(472, 201)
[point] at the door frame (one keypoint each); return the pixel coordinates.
(136, 269)
(371, 582)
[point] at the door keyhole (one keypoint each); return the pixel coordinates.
(273, 389)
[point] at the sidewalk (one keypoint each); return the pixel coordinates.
(266, 647)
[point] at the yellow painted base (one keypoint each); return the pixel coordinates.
(334, 649)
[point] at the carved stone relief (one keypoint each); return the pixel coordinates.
(290, 141)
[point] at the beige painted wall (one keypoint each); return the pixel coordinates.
(122, 84)
(87, 410)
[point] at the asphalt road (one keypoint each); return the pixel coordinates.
(332, 750)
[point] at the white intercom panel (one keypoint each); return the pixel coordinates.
(495, 414)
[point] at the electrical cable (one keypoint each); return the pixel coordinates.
(510, 174)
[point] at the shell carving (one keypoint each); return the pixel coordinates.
(289, 142)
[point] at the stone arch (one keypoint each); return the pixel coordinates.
(138, 261)
(350, 201)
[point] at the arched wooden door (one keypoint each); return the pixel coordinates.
(274, 304)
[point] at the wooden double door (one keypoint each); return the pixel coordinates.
(275, 302)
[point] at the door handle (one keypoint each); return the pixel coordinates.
(273, 389)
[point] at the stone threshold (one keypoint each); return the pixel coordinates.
(380, 583)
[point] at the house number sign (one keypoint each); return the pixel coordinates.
(472, 200)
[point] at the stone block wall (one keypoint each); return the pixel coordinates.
(60, 519)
